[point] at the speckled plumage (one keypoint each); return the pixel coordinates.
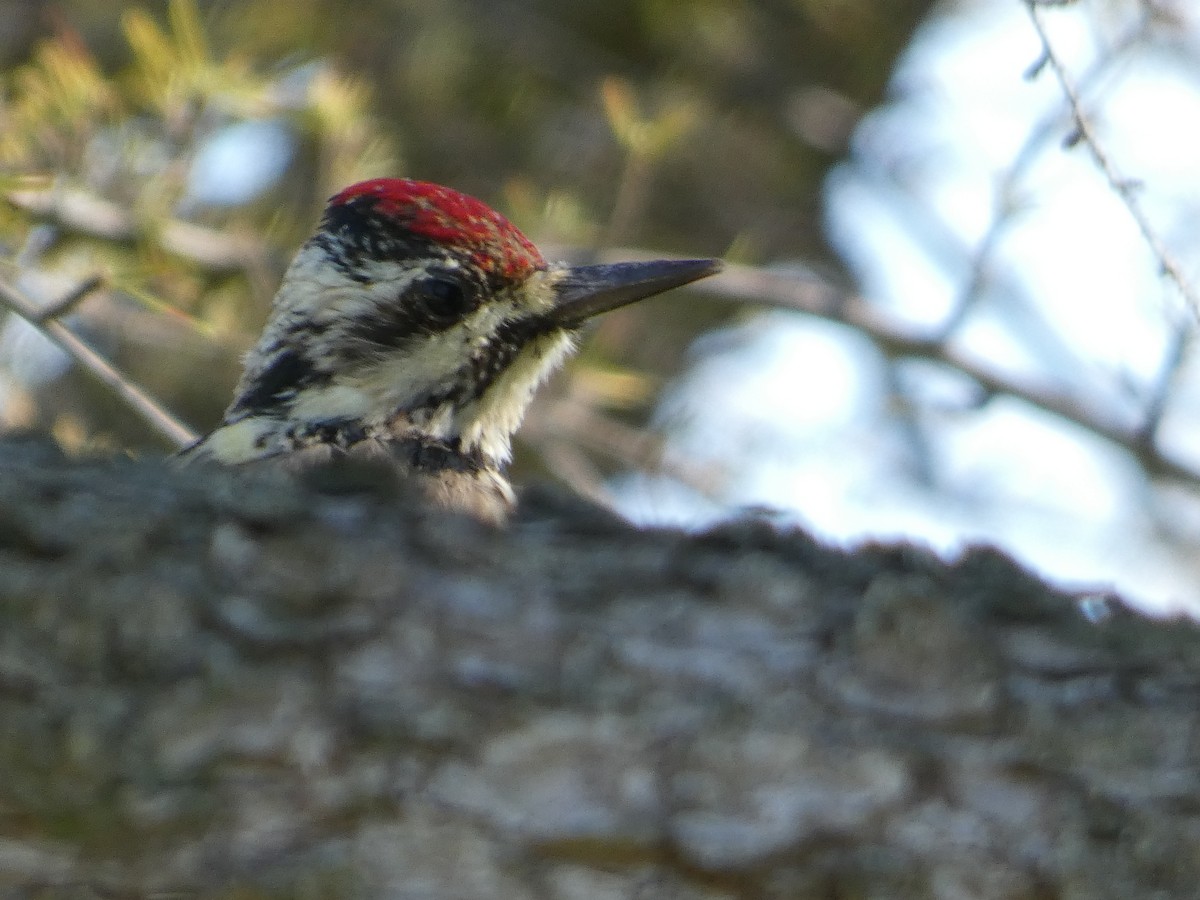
(415, 324)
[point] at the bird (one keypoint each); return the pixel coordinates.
(414, 326)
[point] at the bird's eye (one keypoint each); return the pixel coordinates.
(446, 300)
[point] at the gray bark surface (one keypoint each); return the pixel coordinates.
(233, 685)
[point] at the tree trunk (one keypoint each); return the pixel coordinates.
(222, 684)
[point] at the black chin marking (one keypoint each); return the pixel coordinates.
(340, 433)
(488, 363)
(287, 375)
(501, 350)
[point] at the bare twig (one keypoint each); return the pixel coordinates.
(1126, 188)
(816, 297)
(93, 216)
(162, 422)
(824, 300)
(631, 196)
(69, 301)
(1007, 193)
(566, 423)
(1168, 375)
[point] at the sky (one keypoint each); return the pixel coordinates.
(1072, 298)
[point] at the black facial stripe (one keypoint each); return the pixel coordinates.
(487, 364)
(352, 235)
(431, 304)
(287, 374)
(387, 327)
(342, 256)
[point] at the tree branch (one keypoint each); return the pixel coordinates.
(816, 297)
(175, 433)
(1126, 188)
(87, 214)
(219, 683)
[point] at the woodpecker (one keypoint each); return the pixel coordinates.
(415, 326)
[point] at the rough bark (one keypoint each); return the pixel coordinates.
(233, 685)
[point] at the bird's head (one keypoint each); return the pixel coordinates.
(418, 312)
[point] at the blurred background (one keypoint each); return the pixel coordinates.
(960, 304)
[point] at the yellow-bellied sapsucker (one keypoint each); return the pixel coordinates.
(416, 325)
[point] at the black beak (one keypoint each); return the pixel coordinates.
(586, 291)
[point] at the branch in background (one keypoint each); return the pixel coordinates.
(1008, 202)
(743, 284)
(1127, 189)
(816, 297)
(569, 432)
(819, 298)
(87, 214)
(219, 251)
(45, 320)
(983, 275)
(68, 301)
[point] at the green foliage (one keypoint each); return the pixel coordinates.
(95, 160)
(88, 136)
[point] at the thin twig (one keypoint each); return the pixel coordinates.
(1124, 187)
(162, 422)
(1127, 190)
(1168, 375)
(570, 423)
(1007, 189)
(631, 197)
(82, 213)
(822, 299)
(69, 301)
